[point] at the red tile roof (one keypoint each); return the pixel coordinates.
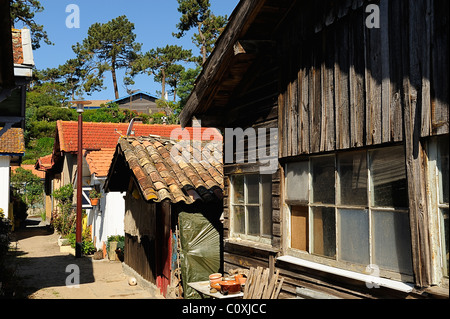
(163, 177)
(12, 141)
(45, 163)
(98, 136)
(99, 161)
(17, 46)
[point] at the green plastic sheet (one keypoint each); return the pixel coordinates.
(200, 250)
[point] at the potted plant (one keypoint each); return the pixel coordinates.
(94, 196)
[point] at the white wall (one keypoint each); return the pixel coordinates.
(107, 219)
(5, 183)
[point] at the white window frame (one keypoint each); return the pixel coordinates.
(336, 261)
(264, 239)
(437, 236)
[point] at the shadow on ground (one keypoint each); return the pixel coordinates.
(36, 265)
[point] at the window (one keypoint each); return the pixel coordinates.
(251, 203)
(351, 208)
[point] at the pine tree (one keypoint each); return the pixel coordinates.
(111, 46)
(161, 63)
(197, 14)
(24, 11)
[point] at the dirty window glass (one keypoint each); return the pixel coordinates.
(354, 236)
(297, 181)
(353, 179)
(388, 174)
(323, 179)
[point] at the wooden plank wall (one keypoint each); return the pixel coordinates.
(342, 87)
(254, 104)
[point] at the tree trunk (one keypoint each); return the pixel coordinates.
(203, 41)
(113, 71)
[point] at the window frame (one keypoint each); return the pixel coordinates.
(262, 238)
(437, 235)
(337, 261)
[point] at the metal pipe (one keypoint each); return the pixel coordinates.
(78, 245)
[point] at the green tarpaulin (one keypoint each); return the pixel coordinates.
(200, 250)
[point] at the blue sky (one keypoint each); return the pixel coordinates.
(154, 20)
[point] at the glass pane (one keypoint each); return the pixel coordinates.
(299, 228)
(252, 182)
(297, 181)
(392, 241)
(444, 236)
(266, 181)
(253, 220)
(353, 179)
(323, 179)
(354, 236)
(443, 170)
(238, 189)
(324, 231)
(239, 219)
(388, 173)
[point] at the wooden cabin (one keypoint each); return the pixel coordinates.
(173, 205)
(358, 90)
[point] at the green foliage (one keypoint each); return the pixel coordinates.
(117, 238)
(37, 149)
(24, 11)
(55, 113)
(197, 14)
(5, 241)
(112, 114)
(64, 220)
(87, 246)
(108, 46)
(163, 63)
(27, 186)
(95, 194)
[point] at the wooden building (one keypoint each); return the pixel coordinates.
(172, 212)
(140, 102)
(358, 90)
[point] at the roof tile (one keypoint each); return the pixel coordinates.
(178, 181)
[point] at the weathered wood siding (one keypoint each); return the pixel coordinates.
(254, 104)
(342, 85)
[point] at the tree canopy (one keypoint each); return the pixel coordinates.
(196, 14)
(24, 11)
(108, 47)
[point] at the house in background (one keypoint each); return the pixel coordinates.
(140, 102)
(358, 206)
(16, 64)
(165, 194)
(94, 104)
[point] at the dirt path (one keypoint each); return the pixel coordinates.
(41, 268)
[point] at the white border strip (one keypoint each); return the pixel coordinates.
(388, 283)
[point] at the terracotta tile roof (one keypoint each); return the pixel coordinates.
(162, 177)
(17, 46)
(31, 168)
(45, 163)
(97, 136)
(12, 141)
(99, 161)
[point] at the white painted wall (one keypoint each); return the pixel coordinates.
(107, 219)
(5, 183)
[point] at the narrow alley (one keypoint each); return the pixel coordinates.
(41, 270)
